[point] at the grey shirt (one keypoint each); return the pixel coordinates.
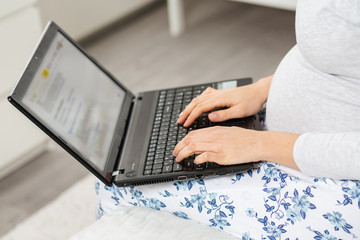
(316, 89)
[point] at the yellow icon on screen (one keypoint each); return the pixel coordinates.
(45, 73)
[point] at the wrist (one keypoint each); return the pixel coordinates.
(278, 147)
(263, 88)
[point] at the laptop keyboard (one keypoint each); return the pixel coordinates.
(166, 133)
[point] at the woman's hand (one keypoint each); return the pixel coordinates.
(223, 145)
(240, 102)
(235, 145)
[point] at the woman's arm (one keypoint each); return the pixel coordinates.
(278, 147)
(334, 155)
(264, 84)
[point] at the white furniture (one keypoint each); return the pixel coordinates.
(20, 28)
(142, 223)
(177, 18)
(69, 213)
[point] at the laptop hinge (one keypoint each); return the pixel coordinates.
(124, 136)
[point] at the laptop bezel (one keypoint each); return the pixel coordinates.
(17, 94)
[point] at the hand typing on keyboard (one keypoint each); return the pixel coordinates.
(239, 102)
(222, 145)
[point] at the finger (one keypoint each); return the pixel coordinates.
(201, 108)
(189, 108)
(179, 146)
(223, 115)
(193, 148)
(196, 136)
(207, 157)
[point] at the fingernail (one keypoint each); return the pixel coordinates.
(173, 153)
(213, 116)
(180, 114)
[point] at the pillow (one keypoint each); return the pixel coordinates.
(145, 223)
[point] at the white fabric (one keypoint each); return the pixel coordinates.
(144, 223)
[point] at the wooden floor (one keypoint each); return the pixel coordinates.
(223, 40)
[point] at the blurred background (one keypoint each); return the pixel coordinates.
(145, 44)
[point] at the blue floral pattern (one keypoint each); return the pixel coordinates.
(352, 195)
(267, 202)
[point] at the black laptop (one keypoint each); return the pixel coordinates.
(122, 138)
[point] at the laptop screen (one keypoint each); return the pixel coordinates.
(77, 100)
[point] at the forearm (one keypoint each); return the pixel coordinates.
(278, 147)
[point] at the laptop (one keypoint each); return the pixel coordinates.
(122, 138)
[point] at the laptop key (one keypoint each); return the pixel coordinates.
(156, 171)
(160, 146)
(168, 162)
(200, 166)
(165, 127)
(167, 169)
(157, 166)
(188, 164)
(159, 151)
(173, 138)
(170, 150)
(160, 155)
(177, 106)
(177, 167)
(167, 158)
(162, 137)
(158, 162)
(164, 132)
(167, 109)
(171, 143)
(149, 162)
(147, 172)
(159, 158)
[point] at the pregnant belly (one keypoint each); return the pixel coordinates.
(303, 99)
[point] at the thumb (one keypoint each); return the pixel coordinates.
(223, 115)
